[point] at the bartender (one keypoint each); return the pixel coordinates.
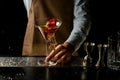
(71, 34)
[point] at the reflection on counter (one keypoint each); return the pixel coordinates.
(57, 73)
(34, 62)
(20, 68)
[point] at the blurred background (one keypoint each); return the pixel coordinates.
(105, 17)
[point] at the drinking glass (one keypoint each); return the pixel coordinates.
(113, 57)
(48, 28)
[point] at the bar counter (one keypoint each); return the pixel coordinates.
(34, 68)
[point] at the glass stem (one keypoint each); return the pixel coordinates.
(46, 47)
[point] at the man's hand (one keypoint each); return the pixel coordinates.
(61, 54)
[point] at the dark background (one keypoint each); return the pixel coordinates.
(104, 16)
(13, 19)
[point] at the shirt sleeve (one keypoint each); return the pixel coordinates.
(81, 24)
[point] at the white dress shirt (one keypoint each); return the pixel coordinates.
(27, 5)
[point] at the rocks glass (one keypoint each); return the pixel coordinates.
(113, 57)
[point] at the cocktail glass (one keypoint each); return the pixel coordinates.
(48, 28)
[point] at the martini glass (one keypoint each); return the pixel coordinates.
(48, 28)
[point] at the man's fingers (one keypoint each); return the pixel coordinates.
(53, 53)
(59, 54)
(61, 60)
(64, 59)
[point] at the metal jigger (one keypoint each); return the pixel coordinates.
(101, 55)
(99, 63)
(88, 47)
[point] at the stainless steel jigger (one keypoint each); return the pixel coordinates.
(101, 55)
(87, 61)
